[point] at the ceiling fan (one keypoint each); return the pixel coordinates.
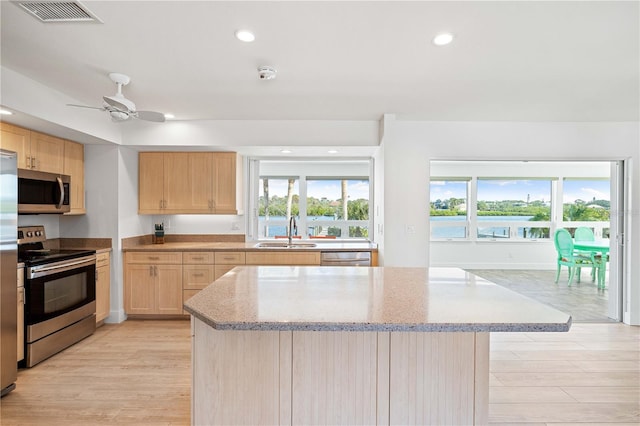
(121, 108)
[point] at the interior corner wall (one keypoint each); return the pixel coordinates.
(409, 146)
(130, 223)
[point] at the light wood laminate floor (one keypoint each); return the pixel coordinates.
(138, 373)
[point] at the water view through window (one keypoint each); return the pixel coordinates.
(506, 208)
(332, 208)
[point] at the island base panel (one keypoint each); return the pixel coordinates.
(313, 377)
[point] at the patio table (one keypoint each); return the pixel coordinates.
(597, 246)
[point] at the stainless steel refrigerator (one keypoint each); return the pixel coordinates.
(8, 277)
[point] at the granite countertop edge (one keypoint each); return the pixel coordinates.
(381, 327)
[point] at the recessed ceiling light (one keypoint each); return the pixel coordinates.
(333, 151)
(286, 151)
(5, 112)
(169, 116)
(443, 39)
(245, 35)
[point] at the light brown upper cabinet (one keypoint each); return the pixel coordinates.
(74, 167)
(187, 182)
(18, 140)
(36, 151)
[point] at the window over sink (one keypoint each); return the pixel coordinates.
(330, 200)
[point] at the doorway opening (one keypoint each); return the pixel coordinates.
(498, 218)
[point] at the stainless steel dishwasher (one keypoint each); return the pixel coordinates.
(345, 258)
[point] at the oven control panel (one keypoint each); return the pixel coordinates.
(31, 234)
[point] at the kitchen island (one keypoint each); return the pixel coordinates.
(347, 345)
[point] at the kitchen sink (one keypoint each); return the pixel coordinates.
(284, 244)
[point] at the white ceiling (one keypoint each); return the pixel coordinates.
(514, 61)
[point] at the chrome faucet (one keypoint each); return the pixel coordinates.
(292, 225)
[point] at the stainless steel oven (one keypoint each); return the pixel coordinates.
(60, 296)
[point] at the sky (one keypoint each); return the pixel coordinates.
(497, 190)
(538, 190)
(331, 189)
(585, 190)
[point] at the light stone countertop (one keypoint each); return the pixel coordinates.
(368, 299)
(252, 246)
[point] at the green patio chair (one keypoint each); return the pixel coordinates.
(567, 256)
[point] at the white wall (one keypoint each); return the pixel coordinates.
(410, 146)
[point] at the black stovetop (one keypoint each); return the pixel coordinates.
(34, 254)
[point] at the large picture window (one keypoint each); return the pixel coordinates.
(329, 200)
(514, 201)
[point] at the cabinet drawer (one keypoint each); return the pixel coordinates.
(102, 259)
(151, 257)
(220, 270)
(197, 276)
(197, 257)
(230, 258)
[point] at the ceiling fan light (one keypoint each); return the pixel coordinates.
(119, 115)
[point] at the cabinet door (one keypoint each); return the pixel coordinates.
(74, 167)
(177, 182)
(47, 153)
(18, 140)
(150, 182)
(168, 289)
(140, 289)
(103, 284)
(201, 170)
(224, 183)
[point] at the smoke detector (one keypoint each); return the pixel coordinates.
(267, 73)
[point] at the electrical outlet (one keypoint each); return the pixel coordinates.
(410, 229)
(235, 226)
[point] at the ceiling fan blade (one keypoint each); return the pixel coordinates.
(120, 106)
(85, 106)
(157, 117)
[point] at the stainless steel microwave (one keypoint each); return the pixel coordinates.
(41, 192)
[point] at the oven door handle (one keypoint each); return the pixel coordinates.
(54, 268)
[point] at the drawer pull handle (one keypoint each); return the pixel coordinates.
(154, 257)
(228, 258)
(198, 275)
(198, 258)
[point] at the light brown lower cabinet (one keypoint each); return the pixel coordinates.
(158, 283)
(103, 286)
(153, 283)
